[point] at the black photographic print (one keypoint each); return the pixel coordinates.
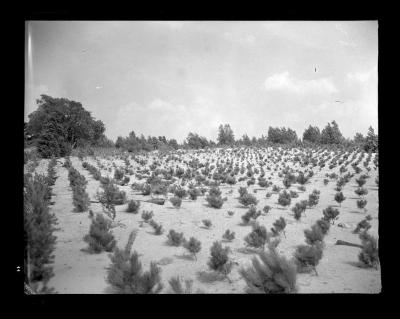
(201, 157)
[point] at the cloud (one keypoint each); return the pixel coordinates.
(362, 77)
(284, 81)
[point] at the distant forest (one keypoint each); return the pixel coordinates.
(59, 125)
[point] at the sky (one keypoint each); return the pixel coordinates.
(169, 78)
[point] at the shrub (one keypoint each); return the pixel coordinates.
(207, 223)
(330, 214)
(177, 288)
(193, 193)
(100, 237)
(274, 274)
(111, 195)
(252, 213)
(231, 213)
(314, 235)
(276, 189)
(293, 194)
(118, 174)
(258, 237)
(125, 273)
(158, 229)
(39, 227)
(219, 260)
(133, 206)
(323, 225)
(266, 209)
(361, 181)
(279, 226)
(361, 191)
(147, 215)
(228, 235)
(242, 191)
(214, 191)
(362, 225)
(339, 197)
(298, 209)
(268, 195)
(301, 188)
(369, 254)
(313, 199)
(175, 238)
(176, 201)
(215, 201)
(284, 199)
(326, 181)
(361, 203)
(307, 257)
(180, 192)
(80, 199)
(248, 199)
(193, 246)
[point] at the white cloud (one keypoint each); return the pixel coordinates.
(284, 81)
(363, 76)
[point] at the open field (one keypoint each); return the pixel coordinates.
(339, 271)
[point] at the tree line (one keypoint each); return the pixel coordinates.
(60, 125)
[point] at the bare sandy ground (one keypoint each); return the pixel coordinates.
(77, 271)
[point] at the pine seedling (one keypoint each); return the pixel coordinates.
(323, 225)
(147, 216)
(177, 287)
(133, 206)
(307, 257)
(266, 209)
(125, 274)
(314, 235)
(228, 235)
(100, 236)
(279, 226)
(158, 229)
(175, 238)
(274, 274)
(362, 225)
(369, 254)
(339, 197)
(361, 203)
(176, 201)
(207, 223)
(330, 214)
(258, 237)
(219, 260)
(193, 246)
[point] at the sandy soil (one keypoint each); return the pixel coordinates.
(77, 271)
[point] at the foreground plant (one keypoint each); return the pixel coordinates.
(100, 236)
(274, 274)
(125, 273)
(193, 246)
(369, 254)
(307, 257)
(219, 260)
